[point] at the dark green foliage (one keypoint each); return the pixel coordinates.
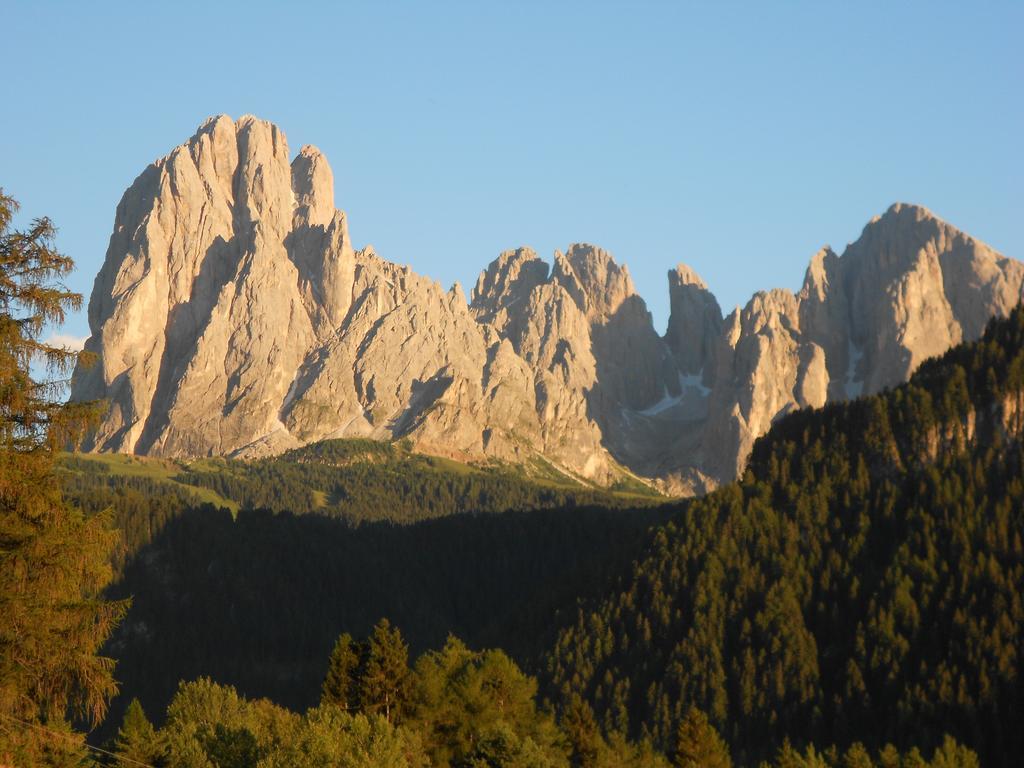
(354, 480)
(339, 453)
(949, 754)
(371, 677)
(856, 757)
(466, 709)
(368, 481)
(478, 708)
(141, 506)
(863, 582)
(581, 729)
(383, 680)
(258, 600)
(341, 687)
(461, 708)
(208, 724)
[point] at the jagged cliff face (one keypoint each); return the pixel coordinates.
(233, 316)
(909, 288)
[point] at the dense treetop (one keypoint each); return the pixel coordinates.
(459, 708)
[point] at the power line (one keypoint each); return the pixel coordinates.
(85, 744)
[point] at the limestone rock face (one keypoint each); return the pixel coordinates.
(909, 288)
(695, 323)
(233, 316)
(766, 368)
(198, 246)
(920, 286)
(505, 286)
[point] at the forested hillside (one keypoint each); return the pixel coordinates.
(227, 582)
(863, 582)
(354, 480)
(860, 587)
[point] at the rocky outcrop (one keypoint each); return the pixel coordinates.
(920, 286)
(766, 367)
(503, 289)
(695, 324)
(909, 288)
(233, 316)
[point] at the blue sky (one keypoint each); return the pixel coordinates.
(735, 137)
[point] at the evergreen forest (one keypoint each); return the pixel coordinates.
(861, 583)
(854, 600)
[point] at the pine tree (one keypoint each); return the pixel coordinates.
(340, 686)
(698, 744)
(137, 739)
(580, 726)
(856, 757)
(53, 561)
(384, 684)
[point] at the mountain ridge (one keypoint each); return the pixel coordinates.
(233, 316)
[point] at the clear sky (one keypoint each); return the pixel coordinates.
(735, 137)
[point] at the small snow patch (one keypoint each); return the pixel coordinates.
(694, 381)
(662, 405)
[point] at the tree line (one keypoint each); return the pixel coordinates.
(368, 481)
(452, 708)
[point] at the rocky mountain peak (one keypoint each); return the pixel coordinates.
(233, 316)
(915, 285)
(695, 322)
(313, 186)
(506, 284)
(605, 283)
(563, 274)
(263, 187)
(776, 310)
(906, 212)
(683, 275)
(819, 274)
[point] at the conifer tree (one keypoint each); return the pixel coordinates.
(856, 756)
(54, 562)
(698, 744)
(340, 686)
(137, 740)
(580, 726)
(384, 684)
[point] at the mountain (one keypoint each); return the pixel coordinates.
(864, 581)
(861, 583)
(233, 316)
